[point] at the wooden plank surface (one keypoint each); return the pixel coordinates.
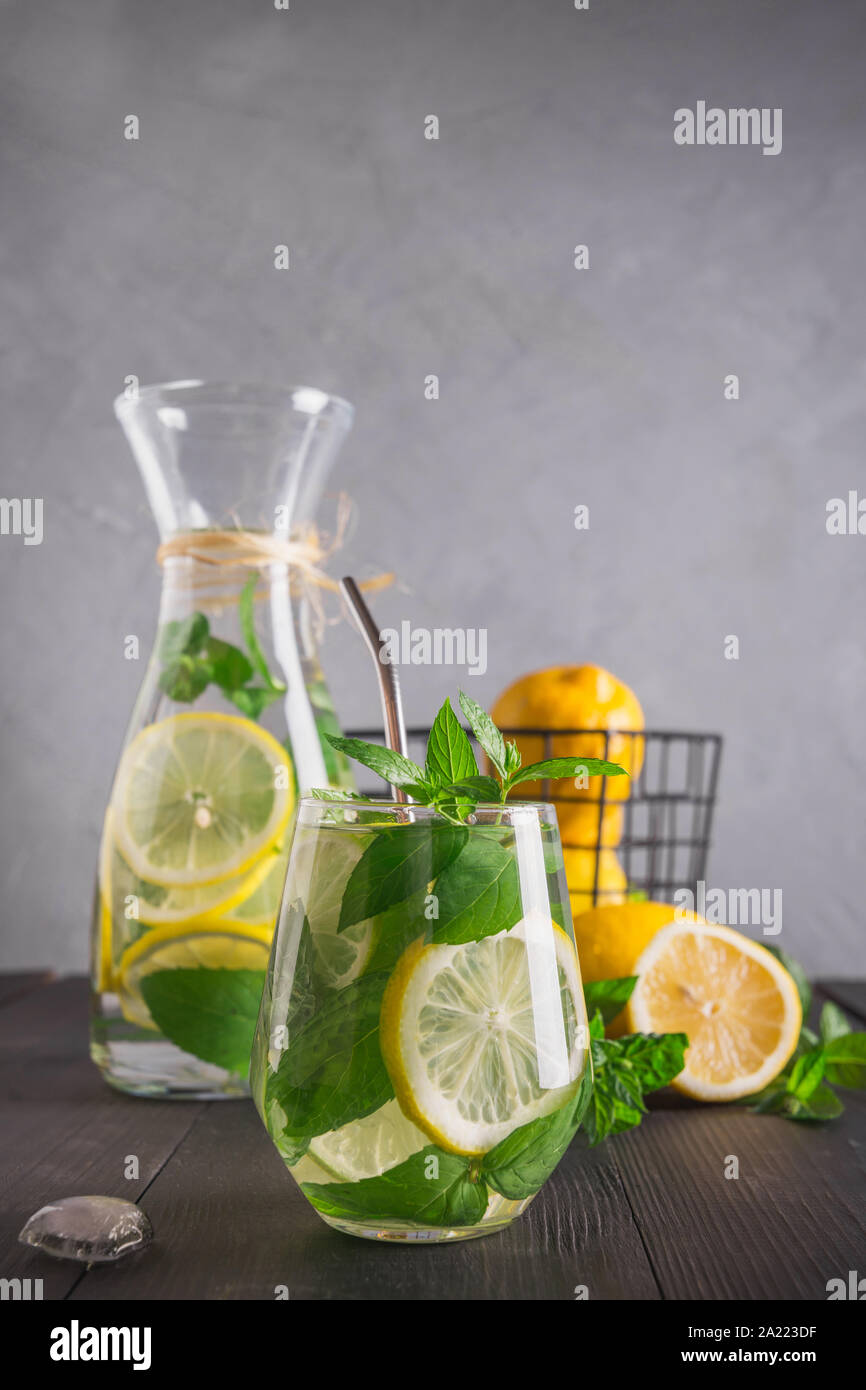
(649, 1214)
(13, 986)
(794, 1218)
(63, 1131)
(231, 1223)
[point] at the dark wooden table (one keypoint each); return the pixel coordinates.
(647, 1215)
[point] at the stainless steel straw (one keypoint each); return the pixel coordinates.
(386, 674)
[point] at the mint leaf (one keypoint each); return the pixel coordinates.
(184, 637)
(524, 1160)
(332, 1071)
(396, 863)
(488, 736)
(229, 667)
(625, 1069)
(655, 1058)
(210, 1013)
(479, 894)
(823, 1104)
(184, 679)
(834, 1022)
(432, 1188)
(775, 1099)
(608, 996)
(396, 928)
(252, 699)
(346, 1019)
(476, 789)
(554, 768)
(335, 794)
(512, 757)
(386, 762)
(449, 752)
(807, 1074)
(617, 1103)
(796, 971)
(246, 614)
(449, 757)
(846, 1061)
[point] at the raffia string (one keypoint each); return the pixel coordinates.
(303, 553)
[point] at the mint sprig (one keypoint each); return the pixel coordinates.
(192, 660)
(450, 782)
(835, 1056)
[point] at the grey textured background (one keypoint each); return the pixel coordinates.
(558, 387)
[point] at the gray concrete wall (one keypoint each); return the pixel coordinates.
(558, 387)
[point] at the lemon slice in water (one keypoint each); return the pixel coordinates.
(484, 1037)
(183, 948)
(199, 798)
(320, 870)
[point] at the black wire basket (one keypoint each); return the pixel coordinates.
(660, 834)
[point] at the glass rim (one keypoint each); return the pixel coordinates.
(373, 803)
(304, 399)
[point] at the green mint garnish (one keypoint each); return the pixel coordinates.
(450, 782)
(803, 1089)
(432, 1188)
(210, 1013)
(192, 660)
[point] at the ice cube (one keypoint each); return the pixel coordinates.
(94, 1230)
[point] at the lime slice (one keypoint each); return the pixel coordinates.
(199, 798)
(320, 869)
(482, 1038)
(184, 948)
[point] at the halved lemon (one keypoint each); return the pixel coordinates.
(205, 947)
(199, 798)
(482, 1038)
(737, 1003)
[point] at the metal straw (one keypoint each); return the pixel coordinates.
(386, 674)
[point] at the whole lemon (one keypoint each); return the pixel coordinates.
(576, 697)
(580, 876)
(610, 939)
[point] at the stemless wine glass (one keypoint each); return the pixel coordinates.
(422, 1059)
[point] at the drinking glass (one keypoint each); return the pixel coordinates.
(421, 1059)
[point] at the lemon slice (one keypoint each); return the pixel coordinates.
(104, 956)
(320, 870)
(199, 798)
(482, 1038)
(259, 908)
(183, 948)
(737, 1003)
(155, 906)
(365, 1148)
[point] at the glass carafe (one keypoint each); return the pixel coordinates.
(226, 732)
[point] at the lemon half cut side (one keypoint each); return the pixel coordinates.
(736, 1002)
